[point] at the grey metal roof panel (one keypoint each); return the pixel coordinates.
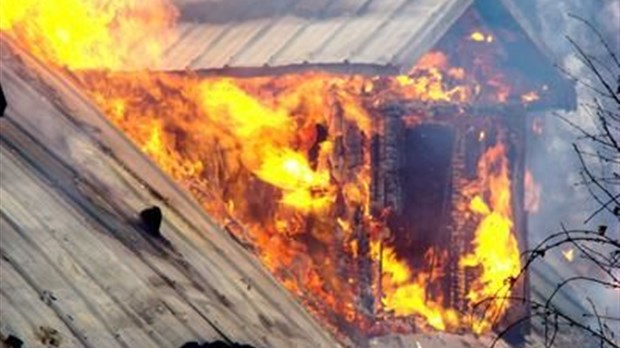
(311, 38)
(262, 49)
(436, 17)
(394, 44)
(230, 43)
(179, 55)
(356, 31)
(255, 33)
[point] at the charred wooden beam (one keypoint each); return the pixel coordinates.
(367, 299)
(454, 113)
(347, 161)
(458, 224)
(385, 158)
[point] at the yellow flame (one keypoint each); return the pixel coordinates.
(248, 144)
(405, 294)
(81, 34)
(478, 36)
(496, 251)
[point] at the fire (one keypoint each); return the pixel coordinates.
(496, 252)
(434, 78)
(480, 37)
(98, 34)
(529, 97)
(426, 81)
(405, 293)
(267, 138)
(495, 256)
(271, 154)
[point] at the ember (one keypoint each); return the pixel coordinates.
(569, 254)
(300, 159)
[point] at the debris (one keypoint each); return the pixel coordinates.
(49, 336)
(13, 342)
(47, 297)
(151, 220)
(3, 103)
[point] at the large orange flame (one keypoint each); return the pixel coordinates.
(495, 255)
(288, 157)
(496, 252)
(81, 34)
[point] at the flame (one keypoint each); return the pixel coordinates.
(569, 254)
(532, 193)
(495, 255)
(95, 34)
(496, 252)
(266, 137)
(478, 36)
(265, 140)
(268, 153)
(433, 78)
(530, 97)
(405, 293)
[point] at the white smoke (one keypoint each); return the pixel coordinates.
(551, 158)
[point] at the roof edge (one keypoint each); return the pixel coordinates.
(344, 68)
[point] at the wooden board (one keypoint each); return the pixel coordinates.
(71, 189)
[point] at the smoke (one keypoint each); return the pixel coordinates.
(551, 157)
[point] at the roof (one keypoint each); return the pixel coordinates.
(76, 265)
(383, 36)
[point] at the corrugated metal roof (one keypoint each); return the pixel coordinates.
(384, 34)
(74, 260)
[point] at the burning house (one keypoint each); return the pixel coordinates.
(370, 154)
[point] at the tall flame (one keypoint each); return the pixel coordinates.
(495, 255)
(496, 252)
(406, 294)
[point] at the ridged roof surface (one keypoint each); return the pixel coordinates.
(383, 35)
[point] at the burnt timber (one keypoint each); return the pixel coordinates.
(465, 122)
